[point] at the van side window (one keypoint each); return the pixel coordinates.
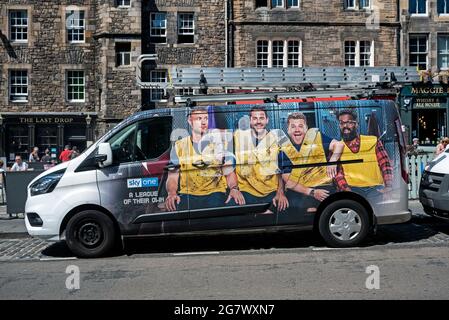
(145, 140)
(122, 144)
(152, 138)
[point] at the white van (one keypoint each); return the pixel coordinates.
(434, 186)
(334, 167)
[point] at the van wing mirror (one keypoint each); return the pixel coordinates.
(104, 155)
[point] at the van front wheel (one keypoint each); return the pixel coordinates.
(90, 234)
(344, 223)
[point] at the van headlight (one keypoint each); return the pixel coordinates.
(47, 183)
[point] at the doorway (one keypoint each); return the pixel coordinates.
(429, 125)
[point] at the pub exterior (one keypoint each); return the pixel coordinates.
(23, 131)
(424, 112)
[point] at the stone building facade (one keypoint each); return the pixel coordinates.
(425, 44)
(68, 68)
(302, 33)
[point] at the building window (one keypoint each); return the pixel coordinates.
(158, 27)
(75, 26)
(365, 4)
(417, 7)
(158, 76)
(186, 28)
(418, 51)
(278, 53)
(277, 3)
(293, 4)
(18, 22)
(18, 85)
(18, 142)
(123, 53)
(349, 4)
(365, 53)
(262, 54)
(359, 54)
(293, 53)
(443, 6)
(123, 3)
(75, 86)
(186, 92)
(350, 53)
(443, 52)
(261, 4)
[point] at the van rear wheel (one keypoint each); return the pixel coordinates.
(90, 234)
(344, 223)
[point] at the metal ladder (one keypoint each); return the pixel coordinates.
(280, 82)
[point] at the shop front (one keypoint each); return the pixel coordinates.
(20, 132)
(424, 112)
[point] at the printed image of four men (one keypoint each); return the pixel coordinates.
(293, 172)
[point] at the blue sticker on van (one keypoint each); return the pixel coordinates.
(142, 183)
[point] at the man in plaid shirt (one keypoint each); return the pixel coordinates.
(370, 172)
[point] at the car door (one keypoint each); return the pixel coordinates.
(133, 188)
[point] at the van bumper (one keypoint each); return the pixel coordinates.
(434, 194)
(397, 217)
(436, 206)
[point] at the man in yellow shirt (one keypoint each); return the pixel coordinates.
(202, 172)
(256, 150)
(304, 161)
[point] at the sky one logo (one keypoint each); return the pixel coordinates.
(143, 183)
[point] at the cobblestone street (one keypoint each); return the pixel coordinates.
(422, 230)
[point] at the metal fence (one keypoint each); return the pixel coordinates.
(416, 165)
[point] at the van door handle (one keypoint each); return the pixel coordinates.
(171, 167)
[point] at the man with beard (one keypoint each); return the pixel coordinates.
(256, 151)
(204, 173)
(373, 176)
(308, 180)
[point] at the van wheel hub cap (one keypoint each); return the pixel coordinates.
(90, 234)
(345, 224)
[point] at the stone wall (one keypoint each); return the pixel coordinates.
(330, 11)
(47, 56)
(208, 48)
(431, 25)
(321, 45)
(321, 29)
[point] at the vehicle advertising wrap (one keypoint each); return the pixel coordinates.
(245, 165)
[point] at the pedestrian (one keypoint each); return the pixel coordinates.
(2, 172)
(65, 155)
(19, 165)
(75, 152)
(34, 155)
(442, 145)
(46, 158)
(413, 150)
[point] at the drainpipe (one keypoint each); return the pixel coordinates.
(398, 33)
(226, 34)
